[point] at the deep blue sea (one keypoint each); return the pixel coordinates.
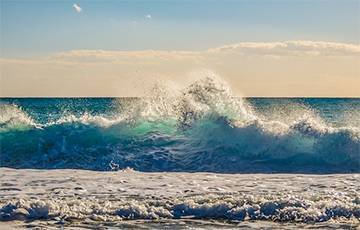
(203, 129)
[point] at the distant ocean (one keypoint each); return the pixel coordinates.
(204, 128)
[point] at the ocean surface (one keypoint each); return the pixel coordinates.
(76, 199)
(203, 127)
(197, 157)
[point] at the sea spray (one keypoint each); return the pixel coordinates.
(202, 127)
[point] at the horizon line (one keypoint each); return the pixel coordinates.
(110, 97)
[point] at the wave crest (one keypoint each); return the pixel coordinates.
(13, 117)
(202, 127)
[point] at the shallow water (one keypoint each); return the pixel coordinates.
(180, 224)
(131, 198)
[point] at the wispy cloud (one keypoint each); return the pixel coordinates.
(77, 8)
(284, 68)
(273, 49)
(291, 48)
(148, 16)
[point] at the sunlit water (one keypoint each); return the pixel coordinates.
(201, 128)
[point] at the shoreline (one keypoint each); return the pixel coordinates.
(76, 197)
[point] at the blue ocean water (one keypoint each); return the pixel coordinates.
(203, 128)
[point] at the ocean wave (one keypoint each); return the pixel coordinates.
(234, 207)
(200, 128)
(69, 196)
(14, 118)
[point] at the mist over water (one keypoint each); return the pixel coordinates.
(201, 127)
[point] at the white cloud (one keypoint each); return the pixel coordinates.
(291, 48)
(148, 16)
(128, 56)
(300, 68)
(77, 8)
(261, 49)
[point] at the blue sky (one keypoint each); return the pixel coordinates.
(39, 28)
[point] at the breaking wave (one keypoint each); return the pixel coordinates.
(223, 207)
(68, 197)
(202, 127)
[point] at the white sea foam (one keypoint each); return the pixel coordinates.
(13, 117)
(76, 195)
(202, 127)
(208, 97)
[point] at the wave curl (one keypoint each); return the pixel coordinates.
(203, 127)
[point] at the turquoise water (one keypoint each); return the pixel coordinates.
(248, 135)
